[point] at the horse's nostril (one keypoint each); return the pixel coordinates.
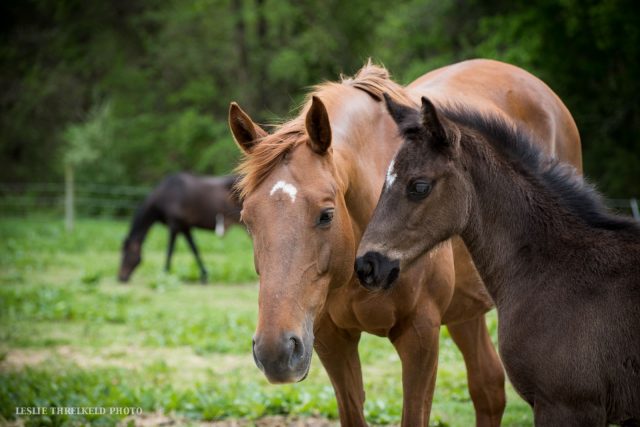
(376, 270)
(297, 349)
(255, 356)
(393, 275)
(366, 269)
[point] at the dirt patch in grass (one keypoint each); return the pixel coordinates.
(161, 420)
(158, 419)
(182, 358)
(19, 359)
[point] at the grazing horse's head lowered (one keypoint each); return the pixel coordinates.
(131, 257)
(294, 208)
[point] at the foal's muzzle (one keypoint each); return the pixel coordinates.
(376, 271)
(283, 360)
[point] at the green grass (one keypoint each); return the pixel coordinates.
(70, 335)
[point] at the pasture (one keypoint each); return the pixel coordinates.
(71, 335)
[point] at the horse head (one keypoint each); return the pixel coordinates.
(294, 208)
(131, 257)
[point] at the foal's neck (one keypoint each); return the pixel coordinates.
(515, 226)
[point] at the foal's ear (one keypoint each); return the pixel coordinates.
(318, 126)
(431, 121)
(245, 132)
(397, 111)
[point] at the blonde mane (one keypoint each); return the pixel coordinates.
(269, 151)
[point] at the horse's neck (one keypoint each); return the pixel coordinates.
(363, 167)
(144, 218)
(512, 229)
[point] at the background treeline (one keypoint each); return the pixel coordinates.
(130, 90)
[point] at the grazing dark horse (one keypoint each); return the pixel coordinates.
(309, 189)
(564, 273)
(181, 201)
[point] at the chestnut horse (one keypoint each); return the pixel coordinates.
(309, 190)
(563, 271)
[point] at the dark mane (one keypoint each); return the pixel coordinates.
(144, 216)
(516, 145)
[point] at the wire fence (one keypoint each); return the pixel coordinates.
(121, 200)
(89, 199)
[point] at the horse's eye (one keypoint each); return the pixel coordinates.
(418, 189)
(325, 218)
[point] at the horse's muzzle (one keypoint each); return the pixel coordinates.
(376, 271)
(286, 360)
(123, 277)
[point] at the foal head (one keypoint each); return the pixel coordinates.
(425, 199)
(295, 211)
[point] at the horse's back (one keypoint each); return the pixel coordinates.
(192, 200)
(511, 92)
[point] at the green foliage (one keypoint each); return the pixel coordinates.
(44, 240)
(141, 89)
(70, 335)
(587, 52)
(90, 140)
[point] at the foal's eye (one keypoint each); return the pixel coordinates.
(418, 189)
(325, 218)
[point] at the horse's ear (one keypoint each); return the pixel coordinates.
(431, 120)
(318, 126)
(397, 111)
(245, 132)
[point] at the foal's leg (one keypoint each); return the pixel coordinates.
(194, 249)
(485, 374)
(172, 242)
(466, 324)
(416, 342)
(338, 351)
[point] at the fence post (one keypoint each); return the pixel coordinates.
(68, 198)
(634, 208)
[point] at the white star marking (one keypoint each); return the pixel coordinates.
(289, 189)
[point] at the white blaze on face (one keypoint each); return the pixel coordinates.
(391, 176)
(289, 189)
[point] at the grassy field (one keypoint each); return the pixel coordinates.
(70, 335)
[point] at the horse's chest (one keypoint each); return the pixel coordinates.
(372, 313)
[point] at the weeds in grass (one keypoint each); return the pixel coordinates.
(70, 335)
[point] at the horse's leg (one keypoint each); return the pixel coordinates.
(485, 374)
(194, 249)
(466, 323)
(338, 352)
(416, 342)
(172, 241)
